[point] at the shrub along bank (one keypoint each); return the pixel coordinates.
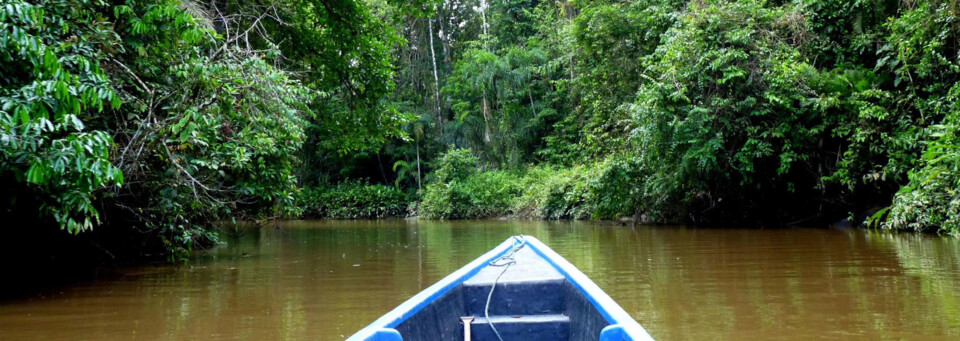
(353, 200)
(460, 191)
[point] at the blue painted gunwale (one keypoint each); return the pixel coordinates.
(622, 325)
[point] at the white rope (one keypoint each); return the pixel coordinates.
(505, 261)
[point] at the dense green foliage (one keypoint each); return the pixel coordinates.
(51, 83)
(353, 200)
(170, 116)
(458, 192)
(923, 43)
(756, 112)
(931, 199)
(543, 192)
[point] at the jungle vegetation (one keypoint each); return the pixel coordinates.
(160, 120)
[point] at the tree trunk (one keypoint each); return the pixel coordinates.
(436, 77)
(445, 39)
(483, 15)
(418, 166)
(382, 173)
(486, 117)
(533, 110)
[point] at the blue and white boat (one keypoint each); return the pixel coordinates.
(519, 291)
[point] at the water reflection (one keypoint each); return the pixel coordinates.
(324, 280)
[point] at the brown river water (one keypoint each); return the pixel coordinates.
(323, 280)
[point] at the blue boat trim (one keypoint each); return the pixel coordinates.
(622, 325)
(385, 334)
(613, 332)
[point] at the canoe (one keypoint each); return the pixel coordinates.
(519, 291)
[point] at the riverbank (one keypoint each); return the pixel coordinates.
(598, 192)
(611, 189)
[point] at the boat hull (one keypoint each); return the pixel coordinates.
(537, 295)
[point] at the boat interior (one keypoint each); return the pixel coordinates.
(532, 301)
